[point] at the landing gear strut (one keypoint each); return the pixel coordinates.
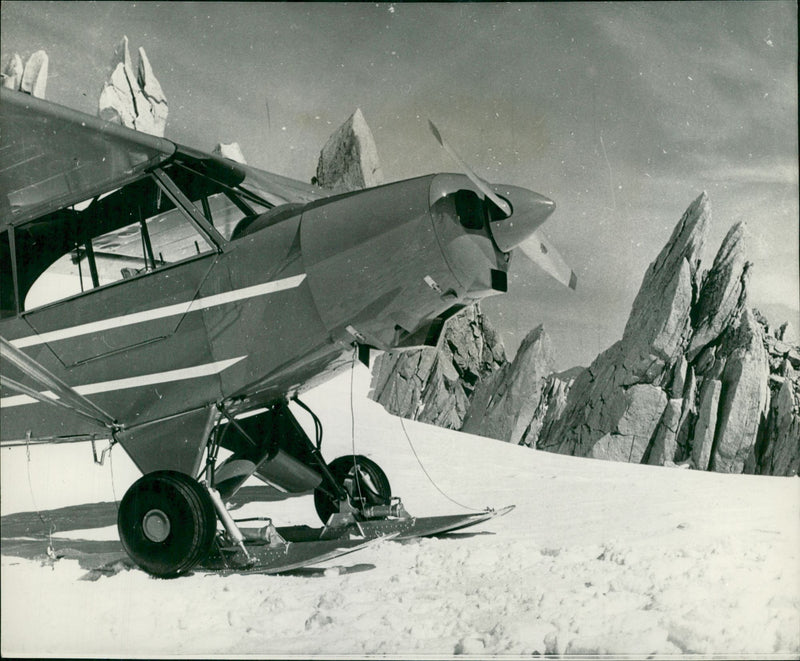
(167, 520)
(364, 481)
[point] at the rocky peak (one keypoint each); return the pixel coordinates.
(349, 160)
(31, 78)
(660, 314)
(133, 99)
(230, 150)
(436, 384)
(614, 408)
(504, 403)
(723, 293)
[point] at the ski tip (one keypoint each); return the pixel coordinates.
(501, 512)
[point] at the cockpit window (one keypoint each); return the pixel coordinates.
(133, 230)
(123, 233)
(223, 206)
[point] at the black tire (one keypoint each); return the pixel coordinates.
(166, 523)
(362, 492)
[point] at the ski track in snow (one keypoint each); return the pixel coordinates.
(597, 558)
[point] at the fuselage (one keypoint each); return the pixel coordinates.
(273, 311)
(235, 300)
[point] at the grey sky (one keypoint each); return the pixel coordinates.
(622, 113)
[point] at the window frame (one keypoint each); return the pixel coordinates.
(14, 288)
(215, 240)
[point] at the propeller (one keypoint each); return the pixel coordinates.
(473, 177)
(518, 228)
(541, 252)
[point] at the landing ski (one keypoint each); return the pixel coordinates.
(276, 558)
(399, 528)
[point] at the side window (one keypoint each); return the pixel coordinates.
(119, 235)
(145, 245)
(8, 301)
(226, 215)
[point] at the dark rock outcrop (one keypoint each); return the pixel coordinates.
(349, 160)
(551, 405)
(778, 452)
(436, 384)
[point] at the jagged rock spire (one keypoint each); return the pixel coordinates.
(614, 408)
(133, 99)
(503, 406)
(31, 79)
(660, 314)
(349, 160)
(723, 294)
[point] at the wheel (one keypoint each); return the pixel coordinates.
(166, 523)
(365, 482)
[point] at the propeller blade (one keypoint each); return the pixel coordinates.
(474, 178)
(540, 251)
(67, 397)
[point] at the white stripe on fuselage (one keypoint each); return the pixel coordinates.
(195, 372)
(159, 313)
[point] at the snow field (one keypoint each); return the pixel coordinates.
(596, 558)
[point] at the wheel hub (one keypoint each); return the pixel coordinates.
(156, 525)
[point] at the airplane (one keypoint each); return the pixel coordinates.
(176, 303)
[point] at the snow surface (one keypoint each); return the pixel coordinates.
(597, 558)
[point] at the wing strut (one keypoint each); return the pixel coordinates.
(65, 396)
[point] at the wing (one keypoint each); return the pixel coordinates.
(53, 156)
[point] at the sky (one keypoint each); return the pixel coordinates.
(623, 113)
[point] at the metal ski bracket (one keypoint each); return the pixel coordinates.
(394, 510)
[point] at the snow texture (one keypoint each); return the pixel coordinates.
(598, 558)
